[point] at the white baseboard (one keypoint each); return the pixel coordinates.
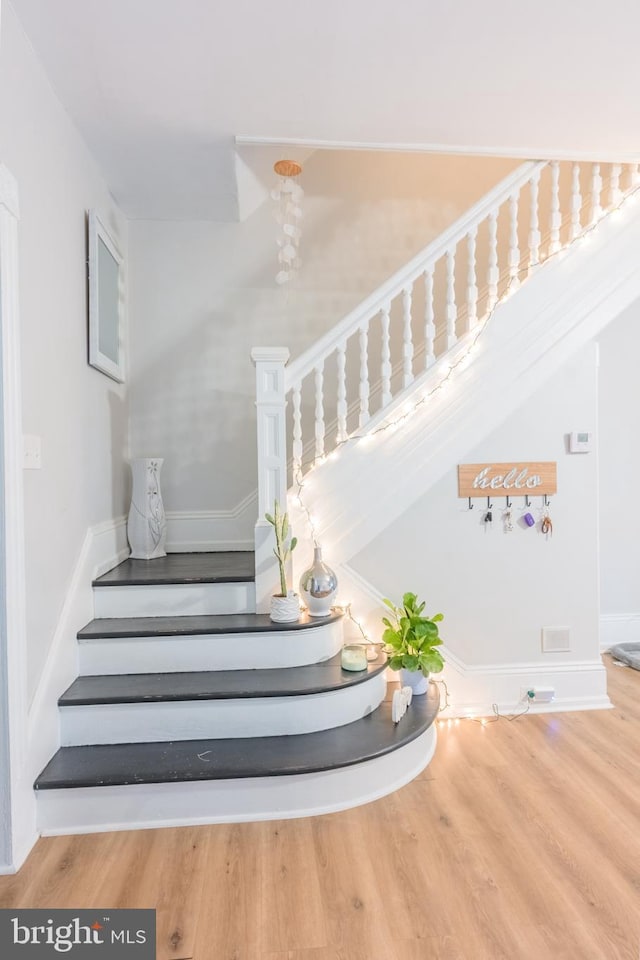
(104, 546)
(202, 530)
(20, 855)
(619, 628)
(475, 688)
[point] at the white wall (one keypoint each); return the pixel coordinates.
(619, 429)
(5, 805)
(80, 415)
(496, 589)
(203, 294)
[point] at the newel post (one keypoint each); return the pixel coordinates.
(271, 407)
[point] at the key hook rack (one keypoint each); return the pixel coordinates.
(510, 481)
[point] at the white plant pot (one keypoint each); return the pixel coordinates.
(414, 678)
(285, 609)
(147, 524)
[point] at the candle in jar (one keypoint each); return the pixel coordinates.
(354, 657)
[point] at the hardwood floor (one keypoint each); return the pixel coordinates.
(521, 840)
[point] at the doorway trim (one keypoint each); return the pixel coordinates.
(17, 805)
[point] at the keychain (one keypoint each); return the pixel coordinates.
(547, 523)
(507, 519)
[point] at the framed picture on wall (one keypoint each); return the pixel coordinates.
(106, 301)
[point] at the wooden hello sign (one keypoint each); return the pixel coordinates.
(507, 479)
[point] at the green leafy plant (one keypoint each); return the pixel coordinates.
(411, 639)
(282, 550)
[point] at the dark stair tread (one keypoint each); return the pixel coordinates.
(216, 684)
(190, 760)
(116, 627)
(231, 566)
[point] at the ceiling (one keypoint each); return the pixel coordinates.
(160, 88)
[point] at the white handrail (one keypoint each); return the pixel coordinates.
(475, 215)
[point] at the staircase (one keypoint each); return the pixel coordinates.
(192, 708)
(190, 705)
(375, 413)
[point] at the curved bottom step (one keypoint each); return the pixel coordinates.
(152, 805)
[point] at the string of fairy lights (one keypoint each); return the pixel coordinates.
(509, 282)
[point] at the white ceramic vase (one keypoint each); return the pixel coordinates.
(416, 680)
(147, 524)
(285, 609)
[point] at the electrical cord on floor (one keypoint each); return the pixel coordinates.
(482, 720)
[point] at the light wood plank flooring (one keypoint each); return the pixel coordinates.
(520, 841)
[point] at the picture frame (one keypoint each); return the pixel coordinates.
(106, 301)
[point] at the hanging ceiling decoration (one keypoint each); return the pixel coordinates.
(288, 196)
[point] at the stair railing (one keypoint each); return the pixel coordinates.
(363, 364)
(393, 305)
(421, 312)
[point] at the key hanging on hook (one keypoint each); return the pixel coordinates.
(488, 517)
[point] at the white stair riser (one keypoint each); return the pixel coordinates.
(217, 719)
(174, 599)
(140, 806)
(233, 651)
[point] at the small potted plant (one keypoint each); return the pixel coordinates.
(285, 606)
(411, 641)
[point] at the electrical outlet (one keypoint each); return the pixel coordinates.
(556, 640)
(538, 694)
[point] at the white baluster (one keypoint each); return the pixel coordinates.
(472, 286)
(514, 249)
(296, 446)
(555, 219)
(615, 193)
(385, 365)
(634, 174)
(429, 320)
(492, 272)
(319, 428)
(596, 191)
(364, 376)
(407, 340)
(452, 310)
(341, 405)
(534, 221)
(576, 201)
